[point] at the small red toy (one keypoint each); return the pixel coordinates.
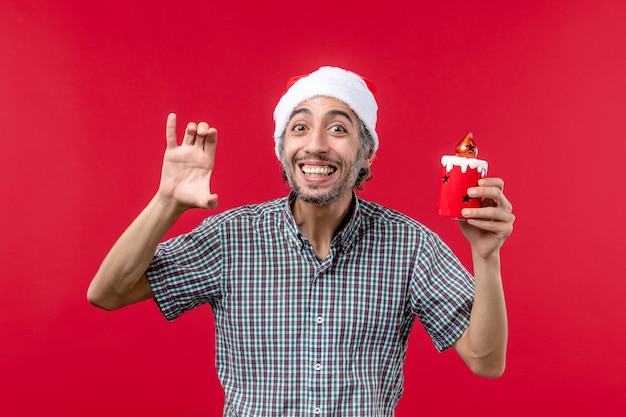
(459, 173)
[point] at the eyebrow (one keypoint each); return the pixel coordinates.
(334, 112)
(298, 111)
(341, 113)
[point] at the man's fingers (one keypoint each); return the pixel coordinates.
(211, 136)
(207, 142)
(203, 128)
(201, 134)
(190, 133)
(487, 213)
(491, 182)
(502, 228)
(170, 131)
(491, 189)
(495, 206)
(195, 134)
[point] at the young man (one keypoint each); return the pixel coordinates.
(314, 294)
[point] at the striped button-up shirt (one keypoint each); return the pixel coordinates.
(301, 336)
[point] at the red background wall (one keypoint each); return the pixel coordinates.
(84, 92)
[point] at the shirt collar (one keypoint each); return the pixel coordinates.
(344, 238)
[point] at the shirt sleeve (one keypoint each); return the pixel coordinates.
(442, 292)
(185, 271)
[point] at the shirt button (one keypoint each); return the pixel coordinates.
(319, 320)
(317, 410)
(318, 367)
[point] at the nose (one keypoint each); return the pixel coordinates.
(317, 142)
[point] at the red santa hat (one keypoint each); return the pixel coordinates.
(346, 86)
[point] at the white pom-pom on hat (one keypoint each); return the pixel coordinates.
(346, 86)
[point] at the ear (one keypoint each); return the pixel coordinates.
(367, 162)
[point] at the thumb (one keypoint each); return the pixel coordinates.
(212, 201)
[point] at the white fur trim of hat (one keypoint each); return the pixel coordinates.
(337, 83)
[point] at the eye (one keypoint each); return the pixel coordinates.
(298, 127)
(338, 129)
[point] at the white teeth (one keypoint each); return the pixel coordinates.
(318, 170)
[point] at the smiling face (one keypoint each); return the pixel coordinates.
(321, 152)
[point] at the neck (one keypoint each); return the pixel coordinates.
(320, 224)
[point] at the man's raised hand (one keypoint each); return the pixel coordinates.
(187, 167)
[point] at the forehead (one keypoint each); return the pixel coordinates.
(324, 105)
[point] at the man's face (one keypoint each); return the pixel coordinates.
(321, 158)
